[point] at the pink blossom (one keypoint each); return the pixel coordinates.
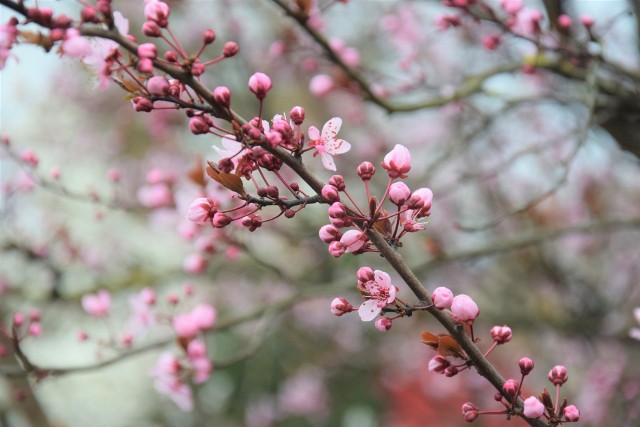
(564, 21)
(526, 365)
(185, 325)
(397, 162)
(527, 22)
(97, 305)
(336, 249)
(204, 315)
(259, 84)
(399, 193)
(533, 408)
(378, 293)
(155, 196)
(222, 95)
(587, 21)
(35, 329)
(168, 382)
(29, 157)
(232, 150)
(74, 45)
(464, 309)
(304, 394)
(201, 210)
(442, 297)
(421, 200)
(512, 7)
(321, 84)
(100, 60)
(326, 144)
(438, 364)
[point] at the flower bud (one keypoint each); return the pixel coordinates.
(526, 365)
(151, 29)
(564, 22)
(397, 162)
(464, 309)
(220, 220)
(338, 182)
(260, 84)
(297, 115)
(421, 199)
(587, 21)
(558, 375)
(571, 413)
(141, 104)
(197, 68)
(158, 12)
(336, 249)
(171, 56)
(365, 274)
(158, 86)
(501, 334)
(208, 36)
(366, 170)
(201, 210)
(337, 210)
(510, 387)
(145, 65)
(399, 193)
(442, 297)
(222, 95)
(198, 125)
(147, 50)
(383, 324)
(438, 364)
(330, 194)
(533, 408)
(230, 49)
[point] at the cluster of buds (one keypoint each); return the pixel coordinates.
(411, 209)
(554, 411)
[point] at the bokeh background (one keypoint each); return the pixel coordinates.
(535, 215)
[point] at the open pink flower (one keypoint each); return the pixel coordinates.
(378, 293)
(533, 408)
(168, 381)
(326, 144)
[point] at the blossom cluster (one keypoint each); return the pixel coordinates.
(411, 208)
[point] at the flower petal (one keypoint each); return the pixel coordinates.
(314, 133)
(327, 162)
(337, 146)
(331, 128)
(369, 310)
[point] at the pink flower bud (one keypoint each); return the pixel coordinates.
(438, 364)
(340, 306)
(337, 210)
(501, 334)
(195, 264)
(491, 42)
(113, 175)
(321, 85)
(468, 407)
(533, 408)
(198, 126)
(571, 413)
(197, 68)
(185, 326)
(510, 387)
(147, 50)
(171, 56)
(29, 157)
(55, 173)
(564, 22)
(145, 65)
(18, 319)
(399, 193)
(366, 170)
(151, 29)
(329, 233)
(88, 14)
(148, 296)
(158, 86)
(208, 36)
(82, 336)
(141, 104)
(558, 375)
(259, 84)
(35, 329)
(222, 95)
(397, 162)
(230, 49)
(451, 371)
(353, 240)
(336, 249)
(526, 365)
(587, 21)
(338, 182)
(158, 12)
(34, 316)
(365, 274)
(442, 297)
(512, 7)
(297, 115)
(97, 305)
(383, 324)
(221, 220)
(330, 194)
(201, 210)
(464, 309)
(421, 199)
(204, 316)
(196, 349)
